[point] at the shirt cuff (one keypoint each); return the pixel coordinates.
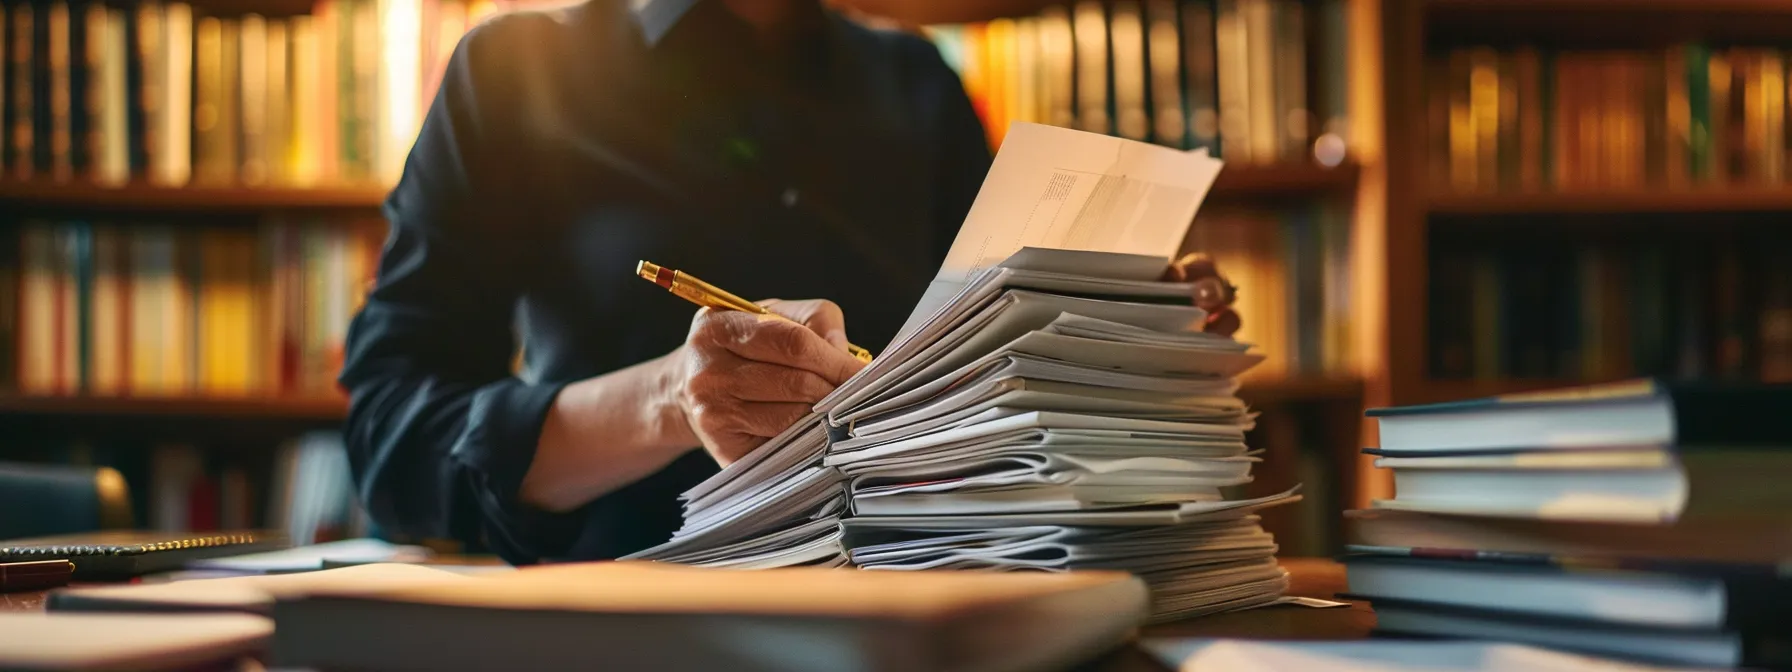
(497, 446)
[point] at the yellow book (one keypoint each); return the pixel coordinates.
(226, 310)
(278, 103)
(107, 323)
(1463, 143)
(209, 100)
(1166, 67)
(1484, 110)
(252, 100)
(1027, 73)
(304, 165)
(999, 67)
(37, 301)
(1127, 34)
(62, 168)
(1773, 112)
(1057, 54)
(1091, 34)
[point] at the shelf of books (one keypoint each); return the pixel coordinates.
(1599, 192)
(1237, 184)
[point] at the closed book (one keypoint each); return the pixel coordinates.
(1647, 412)
(1710, 598)
(1745, 540)
(649, 616)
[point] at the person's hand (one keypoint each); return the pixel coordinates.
(742, 378)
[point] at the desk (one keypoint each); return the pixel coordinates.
(1312, 577)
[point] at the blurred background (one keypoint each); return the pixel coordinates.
(1423, 200)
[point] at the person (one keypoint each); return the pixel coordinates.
(769, 146)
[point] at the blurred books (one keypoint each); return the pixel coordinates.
(171, 94)
(1253, 81)
(1531, 118)
(1050, 405)
(1642, 520)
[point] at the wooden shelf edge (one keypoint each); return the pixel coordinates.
(1481, 7)
(1248, 181)
(1300, 389)
(308, 409)
(1640, 201)
(147, 198)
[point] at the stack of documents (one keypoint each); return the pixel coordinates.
(1050, 404)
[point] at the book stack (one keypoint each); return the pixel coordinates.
(1643, 520)
(1058, 410)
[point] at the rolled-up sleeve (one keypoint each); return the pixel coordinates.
(439, 432)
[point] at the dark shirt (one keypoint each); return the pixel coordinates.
(565, 146)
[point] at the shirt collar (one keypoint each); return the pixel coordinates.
(657, 17)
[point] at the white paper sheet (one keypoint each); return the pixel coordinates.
(1054, 187)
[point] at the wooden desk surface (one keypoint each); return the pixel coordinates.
(1312, 577)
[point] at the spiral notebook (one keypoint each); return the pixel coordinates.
(116, 554)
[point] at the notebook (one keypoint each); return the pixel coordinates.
(116, 554)
(650, 616)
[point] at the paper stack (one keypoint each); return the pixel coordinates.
(1050, 404)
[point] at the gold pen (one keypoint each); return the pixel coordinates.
(710, 296)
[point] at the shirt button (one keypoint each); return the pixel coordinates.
(790, 197)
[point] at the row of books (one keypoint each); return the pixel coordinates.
(1293, 273)
(155, 309)
(1254, 81)
(164, 93)
(1642, 520)
(1530, 118)
(1718, 308)
(305, 491)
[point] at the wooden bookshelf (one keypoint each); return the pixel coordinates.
(1235, 183)
(1413, 31)
(1263, 182)
(304, 409)
(1764, 198)
(140, 198)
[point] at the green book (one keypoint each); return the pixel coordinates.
(1698, 99)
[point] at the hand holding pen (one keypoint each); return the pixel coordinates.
(748, 371)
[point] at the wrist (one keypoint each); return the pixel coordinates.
(663, 409)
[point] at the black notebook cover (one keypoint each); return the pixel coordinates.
(127, 553)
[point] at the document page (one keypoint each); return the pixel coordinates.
(1054, 187)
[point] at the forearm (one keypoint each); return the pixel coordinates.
(604, 433)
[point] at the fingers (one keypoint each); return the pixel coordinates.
(776, 342)
(819, 315)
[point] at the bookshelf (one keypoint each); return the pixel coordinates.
(1238, 184)
(1707, 224)
(141, 199)
(318, 409)
(1625, 202)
